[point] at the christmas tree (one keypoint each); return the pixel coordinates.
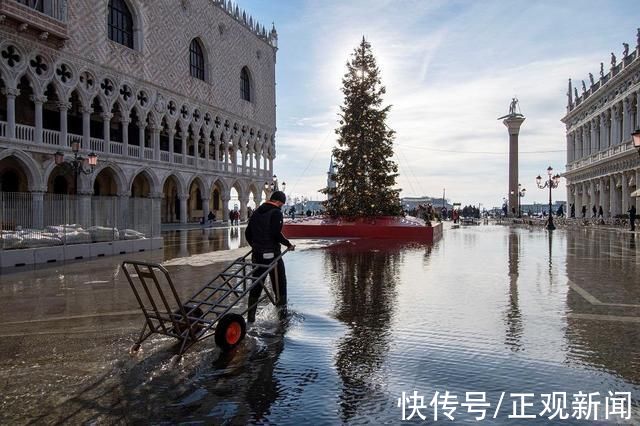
(365, 176)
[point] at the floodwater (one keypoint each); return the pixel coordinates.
(487, 309)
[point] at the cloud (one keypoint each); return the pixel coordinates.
(450, 69)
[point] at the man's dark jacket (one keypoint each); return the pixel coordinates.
(264, 231)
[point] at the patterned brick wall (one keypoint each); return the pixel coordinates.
(168, 26)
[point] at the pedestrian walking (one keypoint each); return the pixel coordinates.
(600, 212)
(573, 210)
(632, 217)
(584, 211)
(594, 211)
(264, 235)
(211, 217)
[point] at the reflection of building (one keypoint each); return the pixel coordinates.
(603, 169)
(177, 99)
(604, 264)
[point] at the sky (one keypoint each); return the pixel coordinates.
(450, 68)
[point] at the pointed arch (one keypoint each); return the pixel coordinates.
(27, 165)
(197, 59)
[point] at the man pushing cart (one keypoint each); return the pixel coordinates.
(216, 309)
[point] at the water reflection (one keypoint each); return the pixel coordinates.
(363, 281)
(602, 327)
(512, 315)
(184, 243)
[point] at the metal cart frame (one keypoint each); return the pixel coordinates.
(201, 316)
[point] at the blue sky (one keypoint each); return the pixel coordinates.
(450, 69)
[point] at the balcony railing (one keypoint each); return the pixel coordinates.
(52, 139)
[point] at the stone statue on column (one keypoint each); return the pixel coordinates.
(584, 88)
(613, 60)
(625, 50)
(570, 94)
(638, 38)
(601, 69)
(591, 80)
(575, 93)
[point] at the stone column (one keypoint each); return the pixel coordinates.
(225, 206)
(183, 207)
(592, 196)
(125, 135)
(207, 141)
(184, 135)
(586, 143)
(593, 136)
(625, 194)
(613, 199)
(601, 193)
(37, 209)
(603, 129)
(172, 133)
(63, 107)
(578, 143)
(11, 94)
(626, 119)
(271, 170)
(141, 126)
(123, 215)
(84, 209)
(205, 207)
(513, 123)
(155, 141)
(243, 207)
(38, 101)
(86, 128)
(156, 214)
(606, 196)
(106, 130)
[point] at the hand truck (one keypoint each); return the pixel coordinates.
(212, 311)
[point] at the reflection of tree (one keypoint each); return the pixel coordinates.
(513, 316)
(363, 280)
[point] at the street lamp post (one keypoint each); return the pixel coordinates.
(78, 164)
(636, 139)
(551, 183)
(270, 187)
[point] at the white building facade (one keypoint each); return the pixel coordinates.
(176, 98)
(603, 168)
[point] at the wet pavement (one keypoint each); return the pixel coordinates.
(487, 309)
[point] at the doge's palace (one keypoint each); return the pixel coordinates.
(176, 98)
(603, 168)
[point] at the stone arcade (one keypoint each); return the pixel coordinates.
(603, 168)
(177, 99)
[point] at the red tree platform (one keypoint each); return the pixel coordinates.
(384, 227)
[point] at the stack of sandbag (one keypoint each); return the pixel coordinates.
(70, 234)
(103, 234)
(10, 240)
(130, 234)
(32, 238)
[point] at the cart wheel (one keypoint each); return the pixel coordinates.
(230, 331)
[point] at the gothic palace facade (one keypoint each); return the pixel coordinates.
(175, 97)
(603, 168)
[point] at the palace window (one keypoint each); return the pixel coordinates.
(245, 85)
(196, 59)
(120, 23)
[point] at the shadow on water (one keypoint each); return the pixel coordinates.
(363, 276)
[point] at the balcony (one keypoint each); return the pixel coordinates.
(115, 151)
(47, 19)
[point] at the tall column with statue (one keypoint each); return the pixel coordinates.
(513, 121)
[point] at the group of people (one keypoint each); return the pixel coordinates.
(599, 213)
